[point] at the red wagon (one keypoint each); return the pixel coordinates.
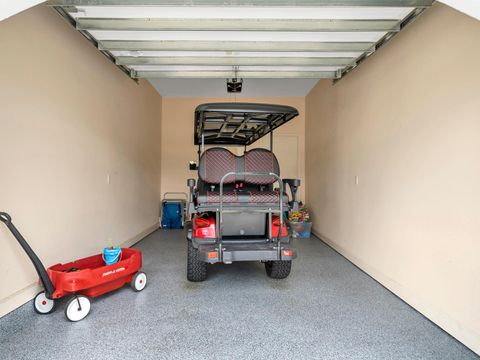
(81, 279)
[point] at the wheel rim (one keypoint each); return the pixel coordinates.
(42, 304)
(78, 308)
(140, 281)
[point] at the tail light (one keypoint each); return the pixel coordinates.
(204, 228)
(276, 226)
(288, 252)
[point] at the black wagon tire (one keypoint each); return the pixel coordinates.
(278, 269)
(196, 269)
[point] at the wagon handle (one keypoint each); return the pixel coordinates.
(5, 218)
(41, 271)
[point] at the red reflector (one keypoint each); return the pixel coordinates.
(287, 252)
(212, 255)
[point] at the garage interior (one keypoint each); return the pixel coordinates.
(97, 124)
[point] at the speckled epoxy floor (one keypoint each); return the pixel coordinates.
(326, 309)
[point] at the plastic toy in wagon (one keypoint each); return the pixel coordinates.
(84, 278)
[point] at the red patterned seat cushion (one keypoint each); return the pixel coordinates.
(241, 197)
(260, 161)
(215, 163)
(228, 197)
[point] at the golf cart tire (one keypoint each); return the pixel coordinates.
(278, 269)
(196, 269)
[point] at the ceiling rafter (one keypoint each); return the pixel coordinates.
(241, 74)
(233, 61)
(230, 46)
(148, 24)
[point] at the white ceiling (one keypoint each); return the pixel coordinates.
(161, 68)
(217, 87)
(469, 7)
(11, 7)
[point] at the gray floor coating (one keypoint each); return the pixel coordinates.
(326, 309)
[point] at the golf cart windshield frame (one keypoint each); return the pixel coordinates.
(238, 123)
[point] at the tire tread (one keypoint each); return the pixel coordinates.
(278, 269)
(196, 269)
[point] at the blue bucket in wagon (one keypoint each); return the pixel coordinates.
(111, 255)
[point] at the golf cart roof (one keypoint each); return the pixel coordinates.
(238, 123)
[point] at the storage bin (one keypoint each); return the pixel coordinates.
(301, 230)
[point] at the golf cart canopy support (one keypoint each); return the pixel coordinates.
(238, 123)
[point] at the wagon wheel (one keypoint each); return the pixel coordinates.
(42, 304)
(139, 281)
(77, 308)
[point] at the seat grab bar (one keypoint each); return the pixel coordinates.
(233, 173)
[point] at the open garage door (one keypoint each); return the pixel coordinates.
(244, 38)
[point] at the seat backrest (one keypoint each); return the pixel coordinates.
(216, 162)
(260, 161)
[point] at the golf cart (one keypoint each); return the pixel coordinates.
(235, 210)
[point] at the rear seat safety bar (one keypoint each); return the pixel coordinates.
(219, 224)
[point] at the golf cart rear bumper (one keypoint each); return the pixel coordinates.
(245, 252)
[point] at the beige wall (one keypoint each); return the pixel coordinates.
(69, 120)
(407, 123)
(177, 138)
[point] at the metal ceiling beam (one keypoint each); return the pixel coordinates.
(147, 24)
(179, 45)
(312, 3)
(240, 74)
(233, 61)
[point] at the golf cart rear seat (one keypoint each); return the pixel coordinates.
(248, 191)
